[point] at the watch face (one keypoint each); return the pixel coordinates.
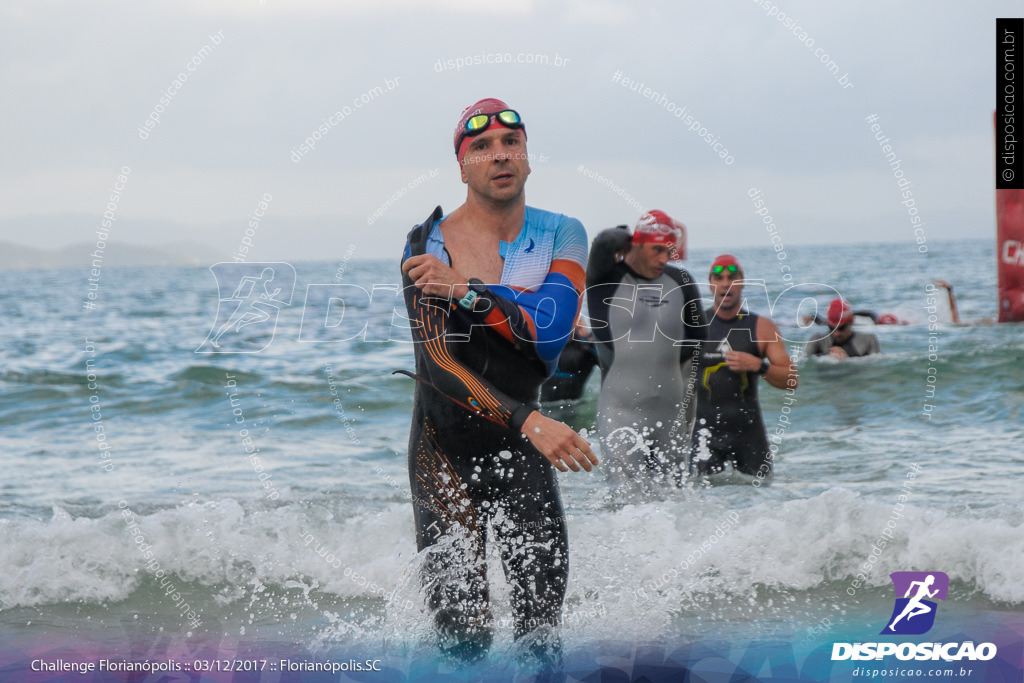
(477, 285)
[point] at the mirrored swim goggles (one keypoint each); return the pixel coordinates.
(717, 270)
(478, 124)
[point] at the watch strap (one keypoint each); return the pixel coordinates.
(468, 300)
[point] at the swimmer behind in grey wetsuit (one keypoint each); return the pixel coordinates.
(648, 321)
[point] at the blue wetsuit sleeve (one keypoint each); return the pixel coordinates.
(543, 318)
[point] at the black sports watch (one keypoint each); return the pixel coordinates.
(477, 285)
(765, 364)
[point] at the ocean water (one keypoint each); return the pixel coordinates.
(175, 542)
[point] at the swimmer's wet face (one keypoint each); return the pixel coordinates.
(648, 260)
(842, 333)
(657, 227)
(840, 319)
(728, 289)
(495, 165)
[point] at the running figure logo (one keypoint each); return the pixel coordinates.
(258, 291)
(914, 613)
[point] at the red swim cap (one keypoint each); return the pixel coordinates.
(657, 227)
(488, 105)
(887, 319)
(839, 312)
(726, 260)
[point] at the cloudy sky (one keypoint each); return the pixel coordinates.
(80, 79)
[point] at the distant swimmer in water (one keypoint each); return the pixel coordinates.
(842, 342)
(575, 365)
(492, 292)
(741, 348)
(876, 318)
(891, 319)
(915, 607)
(954, 311)
(649, 323)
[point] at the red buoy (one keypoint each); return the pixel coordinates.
(1010, 245)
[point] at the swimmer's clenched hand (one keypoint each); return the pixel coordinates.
(559, 443)
(435, 278)
(740, 361)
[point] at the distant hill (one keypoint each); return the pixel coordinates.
(49, 240)
(17, 257)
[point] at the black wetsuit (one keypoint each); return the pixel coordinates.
(470, 467)
(575, 365)
(729, 425)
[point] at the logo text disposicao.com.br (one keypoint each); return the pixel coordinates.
(949, 652)
(913, 613)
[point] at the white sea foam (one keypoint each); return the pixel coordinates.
(651, 559)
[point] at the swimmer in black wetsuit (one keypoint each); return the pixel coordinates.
(842, 342)
(482, 459)
(741, 346)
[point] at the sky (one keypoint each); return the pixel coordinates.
(81, 79)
